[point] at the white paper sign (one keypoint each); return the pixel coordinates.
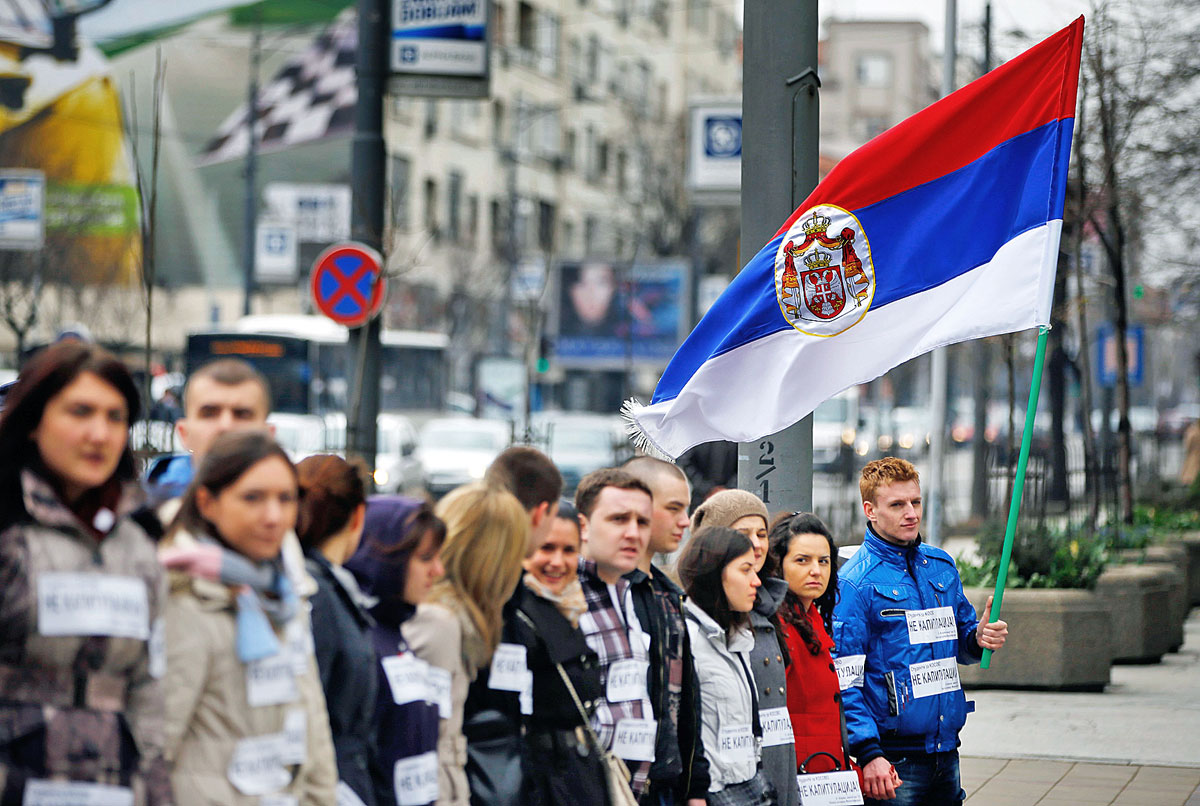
(929, 626)
(93, 604)
(347, 796)
(829, 789)
(295, 737)
(508, 668)
(851, 669)
(627, 680)
(776, 726)
(634, 739)
(527, 695)
(156, 649)
(934, 677)
(71, 793)
(415, 779)
(256, 767)
(437, 680)
(299, 640)
(736, 743)
(408, 678)
(278, 800)
(272, 681)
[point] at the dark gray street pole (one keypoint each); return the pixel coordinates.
(780, 132)
(250, 214)
(368, 174)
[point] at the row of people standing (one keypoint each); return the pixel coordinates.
(468, 624)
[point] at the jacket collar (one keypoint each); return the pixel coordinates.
(890, 552)
(740, 641)
(343, 583)
(45, 507)
(770, 596)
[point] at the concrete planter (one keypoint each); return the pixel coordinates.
(1139, 595)
(1190, 541)
(1172, 559)
(1058, 639)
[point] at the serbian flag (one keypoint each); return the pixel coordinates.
(943, 228)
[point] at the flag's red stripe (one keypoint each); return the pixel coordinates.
(1031, 90)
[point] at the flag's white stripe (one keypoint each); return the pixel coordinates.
(745, 393)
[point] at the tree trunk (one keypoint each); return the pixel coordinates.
(979, 446)
(1059, 489)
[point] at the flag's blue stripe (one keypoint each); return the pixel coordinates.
(919, 239)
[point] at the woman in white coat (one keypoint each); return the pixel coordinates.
(717, 571)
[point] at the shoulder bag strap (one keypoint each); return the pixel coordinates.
(583, 714)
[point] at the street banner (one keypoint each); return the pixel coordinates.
(22, 209)
(943, 228)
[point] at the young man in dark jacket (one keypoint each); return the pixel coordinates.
(679, 774)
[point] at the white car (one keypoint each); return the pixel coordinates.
(398, 468)
(581, 443)
(458, 450)
(301, 435)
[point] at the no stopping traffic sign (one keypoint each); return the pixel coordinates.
(343, 283)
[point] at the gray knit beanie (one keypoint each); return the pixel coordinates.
(727, 507)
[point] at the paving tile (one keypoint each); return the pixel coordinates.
(1029, 791)
(1150, 799)
(1032, 770)
(1101, 772)
(1170, 774)
(984, 799)
(984, 766)
(1051, 800)
(1101, 793)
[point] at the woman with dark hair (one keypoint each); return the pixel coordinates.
(81, 592)
(396, 564)
(246, 718)
(718, 572)
(745, 512)
(804, 551)
(329, 524)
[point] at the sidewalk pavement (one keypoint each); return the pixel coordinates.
(1135, 744)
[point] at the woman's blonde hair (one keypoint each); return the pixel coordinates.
(487, 531)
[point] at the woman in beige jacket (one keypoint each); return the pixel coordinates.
(246, 719)
(458, 626)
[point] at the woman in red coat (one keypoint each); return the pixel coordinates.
(803, 551)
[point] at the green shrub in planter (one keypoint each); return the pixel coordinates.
(1041, 558)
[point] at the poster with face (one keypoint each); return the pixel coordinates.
(608, 313)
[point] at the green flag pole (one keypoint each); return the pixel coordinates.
(1018, 485)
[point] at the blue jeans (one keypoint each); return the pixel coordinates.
(929, 779)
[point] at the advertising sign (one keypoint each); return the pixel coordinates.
(606, 314)
(440, 48)
(715, 150)
(319, 212)
(22, 209)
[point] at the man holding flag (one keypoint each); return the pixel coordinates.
(900, 628)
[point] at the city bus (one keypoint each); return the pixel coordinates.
(308, 362)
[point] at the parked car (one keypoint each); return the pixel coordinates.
(457, 450)
(835, 432)
(301, 435)
(581, 443)
(397, 467)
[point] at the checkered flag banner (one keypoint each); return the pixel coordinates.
(312, 97)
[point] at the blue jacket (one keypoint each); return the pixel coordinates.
(877, 589)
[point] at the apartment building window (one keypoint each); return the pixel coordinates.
(697, 15)
(593, 59)
(431, 118)
(601, 159)
(549, 32)
(568, 150)
(546, 219)
(499, 218)
(454, 198)
(401, 176)
(566, 242)
(499, 135)
(874, 70)
(526, 26)
(471, 234)
(874, 125)
(591, 236)
(622, 167)
(431, 200)
(464, 118)
(621, 12)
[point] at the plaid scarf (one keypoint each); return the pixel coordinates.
(607, 634)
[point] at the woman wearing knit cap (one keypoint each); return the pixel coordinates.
(745, 512)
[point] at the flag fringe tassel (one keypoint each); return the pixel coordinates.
(642, 442)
